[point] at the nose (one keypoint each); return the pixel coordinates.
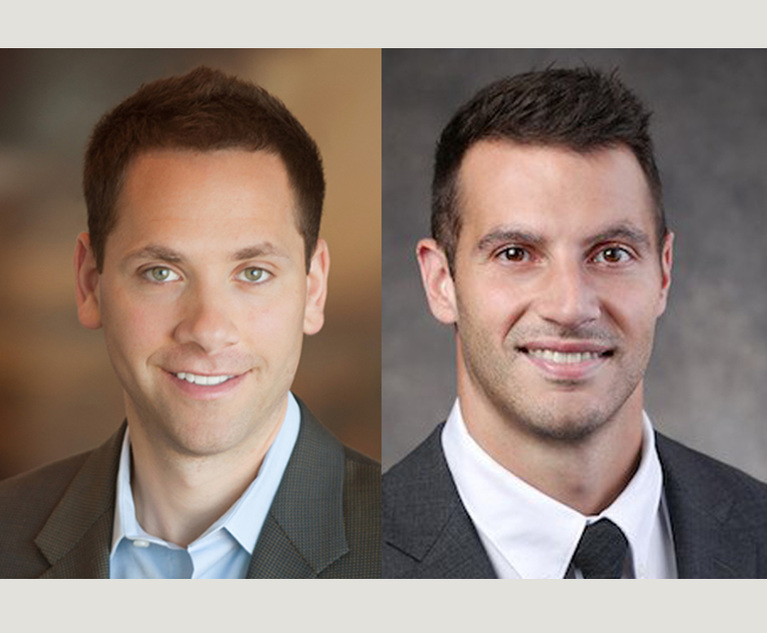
(568, 297)
(207, 320)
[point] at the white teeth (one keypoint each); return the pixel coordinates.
(203, 380)
(562, 357)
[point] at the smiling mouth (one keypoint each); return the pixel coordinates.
(564, 358)
(198, 379)
(567, 363)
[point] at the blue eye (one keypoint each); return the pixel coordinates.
(613, 255)
(161, 274)
(255, 275)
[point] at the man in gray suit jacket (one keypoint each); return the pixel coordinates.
(551, 257)
(204, 267)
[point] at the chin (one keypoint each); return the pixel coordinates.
(203, 436)
(567, 431)
(206, 445)
(558, 426)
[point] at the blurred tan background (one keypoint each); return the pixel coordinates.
(58, 393)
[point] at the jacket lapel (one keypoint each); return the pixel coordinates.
(76, 539)
(304, 530)
(710, 531)
(425, 518)
(301, 536)
(457, 552)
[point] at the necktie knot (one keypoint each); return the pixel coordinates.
(601, 552)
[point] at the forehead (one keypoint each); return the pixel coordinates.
(551, 190)
(202, 197)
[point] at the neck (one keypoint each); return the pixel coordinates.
(586, 474)
(178, 496)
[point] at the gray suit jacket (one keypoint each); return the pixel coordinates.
(325, 521)
(718, 518)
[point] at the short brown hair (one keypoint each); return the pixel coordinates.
(205, 110)
(581, 109)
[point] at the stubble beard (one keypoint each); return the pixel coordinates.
(556, 416)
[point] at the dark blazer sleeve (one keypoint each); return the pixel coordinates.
(26, 502)
(718, 515)
(56, 521)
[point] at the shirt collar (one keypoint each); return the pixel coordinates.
(244, 519)
(537, 535)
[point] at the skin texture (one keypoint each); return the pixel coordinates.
(204, 273)
(556, 251)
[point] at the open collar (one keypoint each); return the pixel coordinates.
(302, 535)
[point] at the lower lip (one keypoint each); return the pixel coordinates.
(568, 371)
(206, 392)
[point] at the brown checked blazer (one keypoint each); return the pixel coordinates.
(325, 521)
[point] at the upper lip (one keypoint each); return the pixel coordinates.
(567, 347)
(204, 373)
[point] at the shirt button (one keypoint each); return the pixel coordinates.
(139, 542)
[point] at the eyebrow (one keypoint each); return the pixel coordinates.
(506, 235)
(156, 252)
(163, 253)
(625, 232)
(257, 250)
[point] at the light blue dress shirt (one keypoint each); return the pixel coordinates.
(225, 548)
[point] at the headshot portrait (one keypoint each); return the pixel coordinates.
(229, 217)
(573, 318)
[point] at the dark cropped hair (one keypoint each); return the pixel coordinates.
(203, 110)
(581, 109)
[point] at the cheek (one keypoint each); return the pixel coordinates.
(633, 308)
(495, 305)
(136, 324)
(507, 297)
(275, 335)
(273, 325)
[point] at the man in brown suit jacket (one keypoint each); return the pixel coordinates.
(204, 267)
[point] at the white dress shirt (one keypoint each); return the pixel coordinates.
(225, 548)
(527, 534)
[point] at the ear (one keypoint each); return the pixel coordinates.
(317, 288)
(666, 262)
(437, 281)
(87, 280)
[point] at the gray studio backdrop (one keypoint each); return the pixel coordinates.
(707, 382)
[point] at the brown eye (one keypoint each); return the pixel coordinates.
(515, 254)
(613, 255)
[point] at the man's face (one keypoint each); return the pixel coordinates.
(204, 296)
(558, 284)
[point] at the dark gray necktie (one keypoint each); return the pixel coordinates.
(601, 552)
